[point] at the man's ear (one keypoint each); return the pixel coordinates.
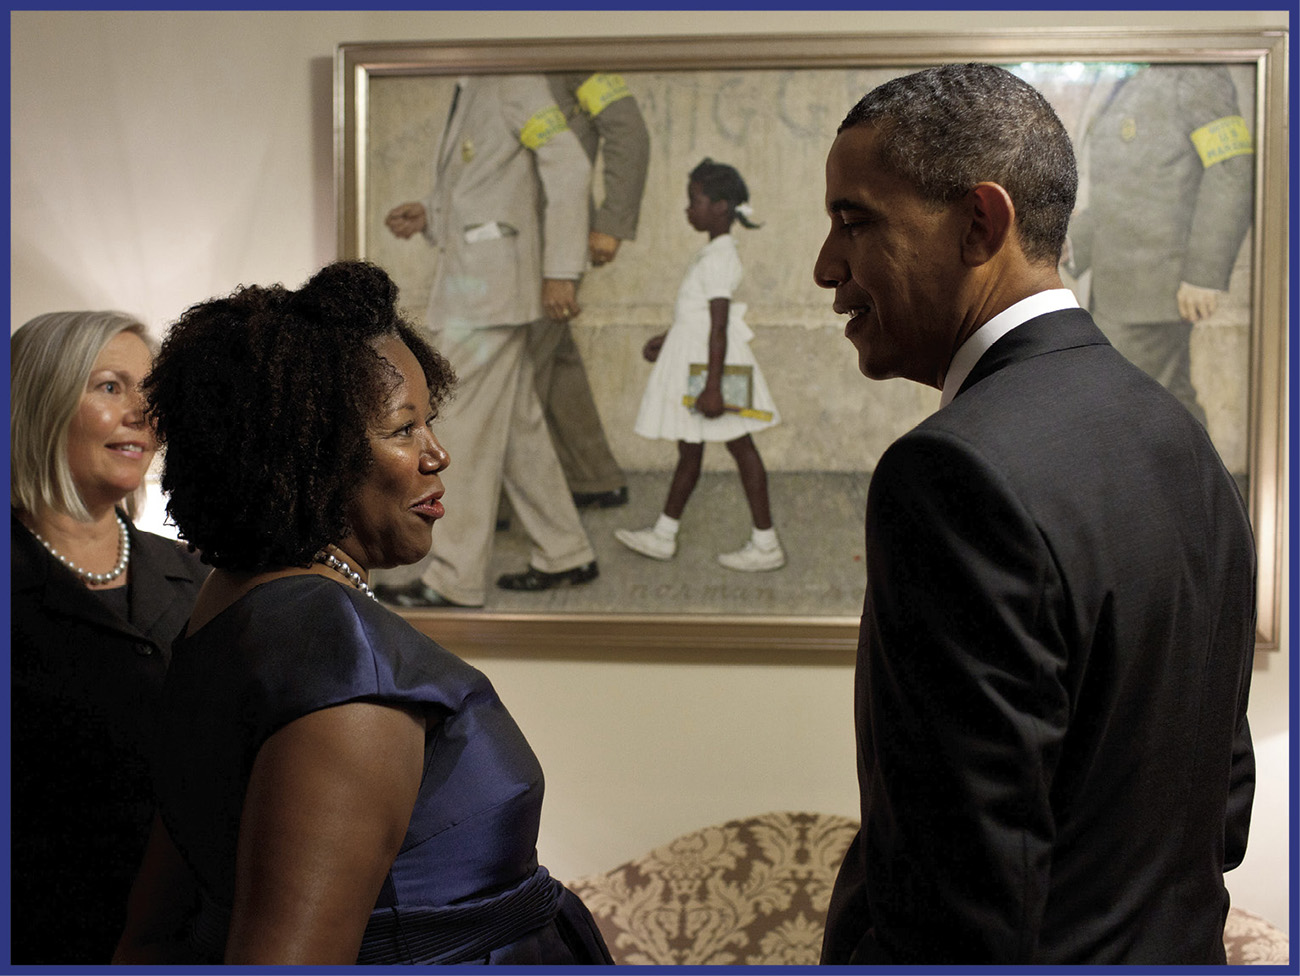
(991, 217)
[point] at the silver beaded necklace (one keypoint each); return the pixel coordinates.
(123, 556)
(346, 571)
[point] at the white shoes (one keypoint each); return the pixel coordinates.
(647, 542)
(751, 559)
(748, 559)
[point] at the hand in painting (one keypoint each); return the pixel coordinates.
(406, 220)
(601, 247)
(1196, 303)
(710, 402)
(651, 349)
(560, 298)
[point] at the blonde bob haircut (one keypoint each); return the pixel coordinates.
(50, 361)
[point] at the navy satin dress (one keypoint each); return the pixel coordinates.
(465, 886)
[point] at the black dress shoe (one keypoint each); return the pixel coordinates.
(534, 579)
(413, 596)
(600, 499)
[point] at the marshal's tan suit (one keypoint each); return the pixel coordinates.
(508, 208)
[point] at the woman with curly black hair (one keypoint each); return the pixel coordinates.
(333, 786)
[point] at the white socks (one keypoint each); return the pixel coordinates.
(667, 527)
(764, 539)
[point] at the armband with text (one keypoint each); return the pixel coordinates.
(600, 91)
(543, 127)
(1222, 139)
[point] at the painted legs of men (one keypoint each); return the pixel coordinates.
(571, 415)
(495, 432)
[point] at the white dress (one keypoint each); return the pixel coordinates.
(714, 272)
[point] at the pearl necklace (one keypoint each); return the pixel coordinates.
(95, 579)
(346, 571)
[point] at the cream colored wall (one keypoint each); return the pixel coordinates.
(161, 158)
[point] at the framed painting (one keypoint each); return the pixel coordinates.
(769, 106)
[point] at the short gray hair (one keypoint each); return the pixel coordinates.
(947, 128)
(50, 360)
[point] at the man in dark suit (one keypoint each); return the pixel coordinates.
(1057, 637)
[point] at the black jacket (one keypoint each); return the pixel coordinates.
(1053, 670)
(84, 693)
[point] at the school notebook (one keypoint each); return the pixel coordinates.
(737, 389)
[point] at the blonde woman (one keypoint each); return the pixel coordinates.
(95, 604)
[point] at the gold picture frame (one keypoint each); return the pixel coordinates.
(1254, 413)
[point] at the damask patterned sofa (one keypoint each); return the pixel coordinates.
(755, 891)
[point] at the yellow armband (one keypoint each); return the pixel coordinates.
(1222, 139)
(600, 91)
(542, 127)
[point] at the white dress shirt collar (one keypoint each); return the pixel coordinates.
(1052, 300)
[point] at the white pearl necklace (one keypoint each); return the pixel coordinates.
(348, 573)
(123, 556)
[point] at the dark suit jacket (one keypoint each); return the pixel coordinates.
(84, 691)
(1053, 668)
